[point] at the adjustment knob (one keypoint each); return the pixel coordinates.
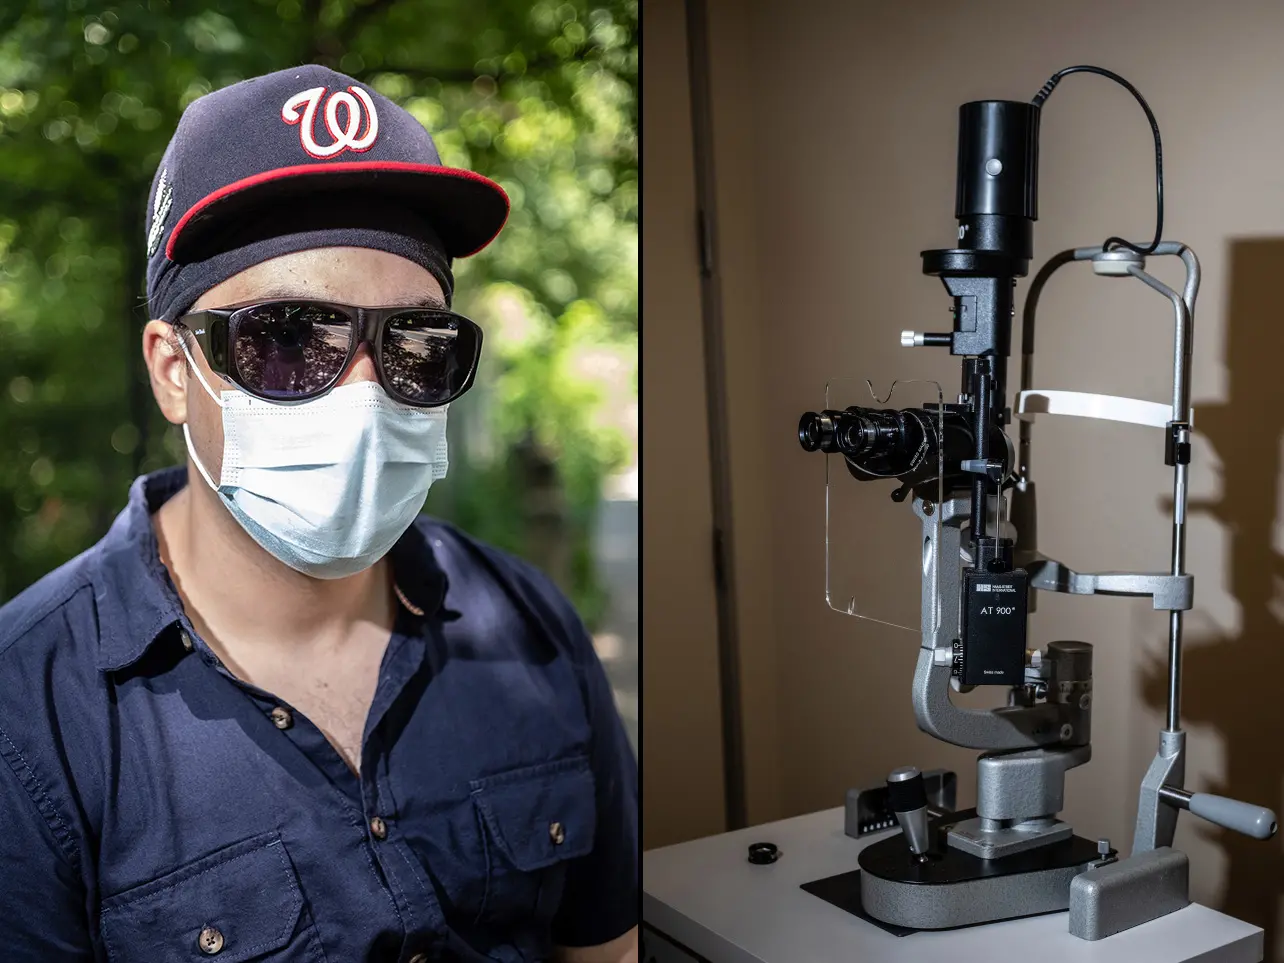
(925, 339)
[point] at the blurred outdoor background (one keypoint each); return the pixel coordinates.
(541, 97)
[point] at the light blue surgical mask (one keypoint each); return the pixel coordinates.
(327, 486)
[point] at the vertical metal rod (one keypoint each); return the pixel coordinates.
(733, 762)
(1174, 617)
(1174, 672)
(1180, 473)
(1182, 337)
(980, 484)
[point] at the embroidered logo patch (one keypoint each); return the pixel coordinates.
(355, 102)
(160, 210)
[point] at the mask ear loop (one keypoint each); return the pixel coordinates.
(187, 435)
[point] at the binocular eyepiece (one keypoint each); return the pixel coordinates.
(915, 445)
(856, 432)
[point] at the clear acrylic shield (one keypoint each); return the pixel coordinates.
(880, 555)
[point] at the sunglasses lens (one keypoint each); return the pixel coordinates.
(288, 350)
(428, 356)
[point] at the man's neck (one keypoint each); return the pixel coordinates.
(236, 594)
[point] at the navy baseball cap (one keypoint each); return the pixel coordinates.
(303, 158)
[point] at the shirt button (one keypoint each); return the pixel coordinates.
(557, 834)
(378, 828)
(281, 718)
(210, 941)
(185, 639)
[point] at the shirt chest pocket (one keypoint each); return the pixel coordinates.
(238, 904)
(535, 820)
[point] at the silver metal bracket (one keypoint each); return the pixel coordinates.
(1172, 593)
(1156, 819)
(972, 836)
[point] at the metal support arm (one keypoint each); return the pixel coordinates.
(1007, 728)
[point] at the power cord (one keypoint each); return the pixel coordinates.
(1047, 89)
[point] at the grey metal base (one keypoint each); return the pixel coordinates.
(1118, 896)
(972, 837)
(945, 906)
(707, 897)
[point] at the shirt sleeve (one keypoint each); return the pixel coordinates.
(602, 896)
(42, 897)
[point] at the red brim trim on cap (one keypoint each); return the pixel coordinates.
(281, 173)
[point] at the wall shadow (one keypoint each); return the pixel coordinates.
(1227, 681)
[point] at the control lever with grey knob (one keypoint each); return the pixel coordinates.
(908, 799)
(1255, 821)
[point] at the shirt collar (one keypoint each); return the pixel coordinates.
(137, 600)
(420, 580)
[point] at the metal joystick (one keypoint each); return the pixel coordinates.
(908, 799)
(1241, 817)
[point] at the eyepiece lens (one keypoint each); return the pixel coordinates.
(810, 431)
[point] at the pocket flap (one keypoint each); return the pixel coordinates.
(542, 814)
(245, 898)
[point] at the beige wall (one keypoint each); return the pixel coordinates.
(835, 133)
(681, 724)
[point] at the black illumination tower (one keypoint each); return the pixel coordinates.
(996, 206)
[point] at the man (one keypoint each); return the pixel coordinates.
(273, 715)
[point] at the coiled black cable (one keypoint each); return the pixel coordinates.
(1047, 89)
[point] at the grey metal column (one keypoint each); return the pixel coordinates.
(716, 396)
(1183, 305)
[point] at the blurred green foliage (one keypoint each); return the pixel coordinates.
(541, 97)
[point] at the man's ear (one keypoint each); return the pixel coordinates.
(167, 369)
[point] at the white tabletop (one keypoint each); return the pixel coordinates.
(707, 895)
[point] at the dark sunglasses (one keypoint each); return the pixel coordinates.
(291, 351)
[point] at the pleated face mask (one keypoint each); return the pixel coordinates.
(327, 486)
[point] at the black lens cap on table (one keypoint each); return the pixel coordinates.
(761, 854)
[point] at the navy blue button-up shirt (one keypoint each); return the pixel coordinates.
(153, 808)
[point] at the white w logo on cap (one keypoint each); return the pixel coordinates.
(344, 139)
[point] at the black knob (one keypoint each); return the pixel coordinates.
(908, 799)
(905, 790)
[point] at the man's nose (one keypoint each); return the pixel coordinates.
(362, 367)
